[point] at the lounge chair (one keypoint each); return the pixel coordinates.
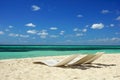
(56, 63)
(99, 54)
(73, 60)
(86, 60)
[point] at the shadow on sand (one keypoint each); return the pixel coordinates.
(84, 66)
(88, 66)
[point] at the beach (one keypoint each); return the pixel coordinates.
(107, 67)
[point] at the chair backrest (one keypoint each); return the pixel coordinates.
(98, 54)
(66, 60)
(87, 59)
(83, 60)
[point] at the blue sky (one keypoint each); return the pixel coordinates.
(60, 22)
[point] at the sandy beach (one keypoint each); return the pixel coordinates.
(107, 67)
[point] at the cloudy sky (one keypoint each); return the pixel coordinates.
(60, 22)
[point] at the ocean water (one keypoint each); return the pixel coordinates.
(19, 51)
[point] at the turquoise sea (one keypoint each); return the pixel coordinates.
(19, 51)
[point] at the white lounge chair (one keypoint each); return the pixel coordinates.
(73, 60)
(56, 63)
(85, 60)
(98, 54)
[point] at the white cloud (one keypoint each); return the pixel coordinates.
(112, 25)
(117, 33)
(87, 26)
(18, 35)
(24, 36)
(97, 26)
(68, 41)
(62, 32)
(118, 18)
(79, 16)
(79, 34)
(7, 30)
(30, 25)
(13, 35)
(10, 26)
(117, 11)
(76, 29)
(35, 8)
(99, 40)
(53, 36)
(115, 39)
(32, 31)
(43, 34)
(53, 28)
(84, 30)
(23, 41)
(33, 37)
(70, 36)
(105, 11)
(1, 32)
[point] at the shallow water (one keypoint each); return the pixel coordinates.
(8, 52)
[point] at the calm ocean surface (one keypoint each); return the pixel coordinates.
(10, 52)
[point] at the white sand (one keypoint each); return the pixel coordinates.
(25, 69)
